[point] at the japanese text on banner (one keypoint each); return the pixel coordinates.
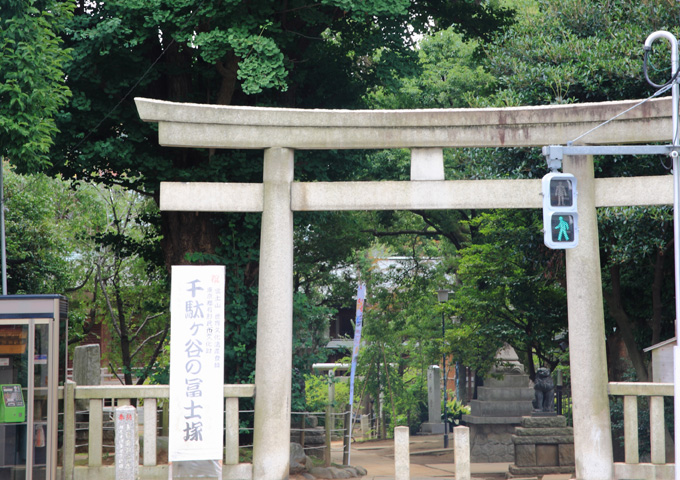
(196, 363)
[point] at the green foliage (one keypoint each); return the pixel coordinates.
(310, 325)
(635, 234)
(576, 50)
(560, 52)
(502, 276)
(32, 86)
(316, 392)
(43, 225)
(262, 62)
(449, 73)
(292, 54)
(129, 292)
(402, 327)
(454, 410)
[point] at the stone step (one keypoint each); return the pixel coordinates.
(501, 394)
(500, 409)
(553, 421)
(483, 421)
(543, 440)
(522, 432)
(510, 380)
(515, 470)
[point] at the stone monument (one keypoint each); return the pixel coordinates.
(86, 371)
(86, 368)
(434, 424)
(498, 410)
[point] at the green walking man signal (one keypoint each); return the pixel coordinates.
(560, 218)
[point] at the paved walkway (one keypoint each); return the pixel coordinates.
(429, 460)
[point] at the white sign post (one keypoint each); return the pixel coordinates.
(127, 443)
(196, 366)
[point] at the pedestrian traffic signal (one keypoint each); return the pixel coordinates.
(560, 217)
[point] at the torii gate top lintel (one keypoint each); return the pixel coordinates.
(216, 126)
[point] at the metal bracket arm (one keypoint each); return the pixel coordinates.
(554, 153)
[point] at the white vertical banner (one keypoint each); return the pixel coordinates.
(196, 363)
(358, 325)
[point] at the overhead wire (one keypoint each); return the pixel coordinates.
(655, 94)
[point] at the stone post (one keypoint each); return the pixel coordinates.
(273, 363)
(461, 452)
(69, 448)
(231, 427)
(592, 424)
(402, 459)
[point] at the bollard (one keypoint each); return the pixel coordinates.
(461, 452)
(402, 460)
(127, 443)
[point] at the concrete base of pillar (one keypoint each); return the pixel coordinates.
(432, 428)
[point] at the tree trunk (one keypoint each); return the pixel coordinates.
(227, 70)
(624, 323)
(657, 285)
(187, 232)
(530, 363)
(124, 336)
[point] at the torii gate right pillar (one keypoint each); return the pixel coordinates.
(587, 357)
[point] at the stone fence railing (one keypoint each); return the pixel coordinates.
(632, 468)
(146, 397)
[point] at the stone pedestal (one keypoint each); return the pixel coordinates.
(544, 445)
(498, 410)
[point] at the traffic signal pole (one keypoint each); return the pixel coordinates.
(578, 160)
(676, 233)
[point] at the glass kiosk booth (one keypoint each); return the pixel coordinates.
(30, 331)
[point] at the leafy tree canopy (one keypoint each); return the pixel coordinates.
(32, 79)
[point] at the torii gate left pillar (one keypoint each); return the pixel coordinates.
(274, 348)
(279, 131)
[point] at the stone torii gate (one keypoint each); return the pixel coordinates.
(279, 132)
